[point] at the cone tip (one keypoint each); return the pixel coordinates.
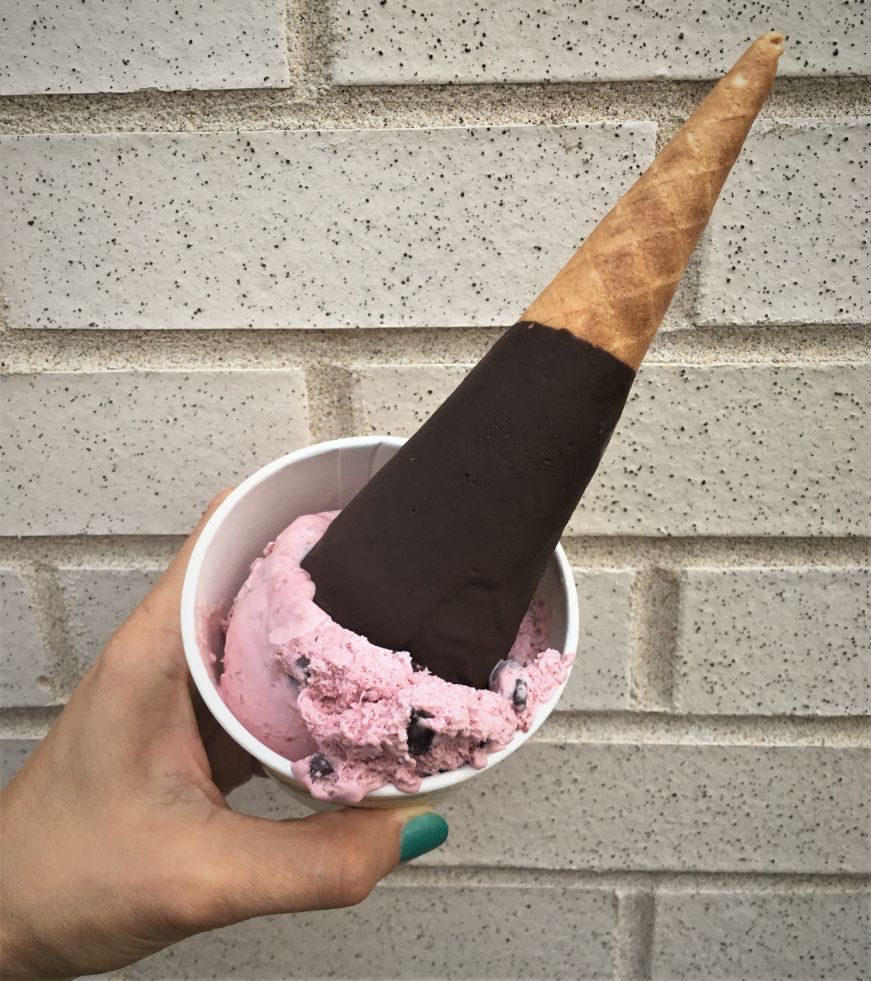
(774, 38)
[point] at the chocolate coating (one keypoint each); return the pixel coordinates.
(441, 552)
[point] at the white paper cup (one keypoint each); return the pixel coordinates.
(323, 477)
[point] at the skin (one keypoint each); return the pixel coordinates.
(117, 839)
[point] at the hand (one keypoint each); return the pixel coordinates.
(117, 840)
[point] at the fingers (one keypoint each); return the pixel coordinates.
(325, 861)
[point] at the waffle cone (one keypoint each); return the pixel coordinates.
(615, 290)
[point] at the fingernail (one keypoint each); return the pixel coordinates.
(422, 834)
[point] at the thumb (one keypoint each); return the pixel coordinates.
(324, 861)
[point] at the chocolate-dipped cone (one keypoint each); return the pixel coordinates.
(442, 550)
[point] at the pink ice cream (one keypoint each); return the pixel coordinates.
(353, 716)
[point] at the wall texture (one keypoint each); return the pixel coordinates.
(229, 229)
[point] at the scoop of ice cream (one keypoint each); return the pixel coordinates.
(353, 716)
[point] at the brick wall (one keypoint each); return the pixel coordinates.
(230, 229)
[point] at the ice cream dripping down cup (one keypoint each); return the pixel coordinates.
(322, 477)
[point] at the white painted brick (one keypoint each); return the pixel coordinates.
(619, 806)
(97, 602)
(437, 227)
(398, 399)
(513, 41)
(13, 753)
(801, 937)
(23, 657)
(124, 45)
(600, 678)
(784, 641)
(404, 932)
(709, 450)
(788, 240)
(130, 452)
(679, 807)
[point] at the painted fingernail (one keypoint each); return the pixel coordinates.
(422, 834)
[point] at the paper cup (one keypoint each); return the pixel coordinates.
(323, 477)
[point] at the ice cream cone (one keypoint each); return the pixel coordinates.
(615, 290)
(441, 552)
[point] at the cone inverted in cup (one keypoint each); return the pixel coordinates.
(441, 552)
(325, 475)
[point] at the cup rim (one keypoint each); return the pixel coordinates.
(197, 663)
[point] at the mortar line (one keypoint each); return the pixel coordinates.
(585, 552)
(421, 874)
(653, 613)
(39, 580)
(27, 350)
(367, 107)
(100, 551)
(291, 38)
(658, 728)
(636, 913)
(621, 729)
(331, 414)
(726, 553)
(294, 46)
(309, 42)
(52, 615)
(32, 722)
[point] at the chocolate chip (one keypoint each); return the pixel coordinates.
(520, 694)
(319, 766)
(417, 666)
(419, 737)
(303, 662)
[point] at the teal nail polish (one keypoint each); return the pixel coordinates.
(421, 835)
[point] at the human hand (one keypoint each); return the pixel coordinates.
(117, 839)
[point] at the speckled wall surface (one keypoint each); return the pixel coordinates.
(229, 230)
